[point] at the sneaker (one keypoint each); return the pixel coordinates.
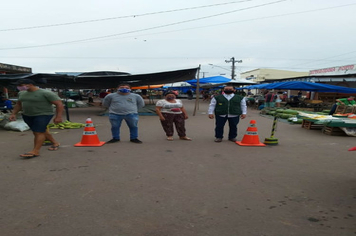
(218, 140)
(135, 140)
(113, 140)
(233, 139)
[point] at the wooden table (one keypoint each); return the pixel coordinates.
(330, 127)
(310, 124)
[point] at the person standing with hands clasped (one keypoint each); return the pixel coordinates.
(171, 111)
(36, 105)
(227, 107)
(123, 105)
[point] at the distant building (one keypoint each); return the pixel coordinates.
(259, 75)
(12, 69)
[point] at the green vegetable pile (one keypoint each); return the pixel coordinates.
(290, 115)
(66, 125)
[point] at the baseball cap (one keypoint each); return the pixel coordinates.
(25, 81)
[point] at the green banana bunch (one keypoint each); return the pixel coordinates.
(66, 125)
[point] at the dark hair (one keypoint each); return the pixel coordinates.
(170, 92)
(124, 85)
(25, 81)
(229, 86)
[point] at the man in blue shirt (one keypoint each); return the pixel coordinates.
(123, 105)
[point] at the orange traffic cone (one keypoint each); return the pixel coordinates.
(352, 149)
(251, 137)
(89, 138)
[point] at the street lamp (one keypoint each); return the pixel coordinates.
(218, 66)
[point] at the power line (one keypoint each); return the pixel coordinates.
(154, 58)
(103, 37)
(140, 30)
(134, 58)
(261, 18)
(247, 20)
(122, 17)
(325, 58)
(206, 26)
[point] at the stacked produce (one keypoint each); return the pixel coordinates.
(66, 125)
(294, 115)
(317, 116)
(289, 114)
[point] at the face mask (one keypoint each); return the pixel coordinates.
(124, 90)
(170, 98)
(228, 91)
(22, 88)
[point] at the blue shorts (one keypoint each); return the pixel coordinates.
(37, 123)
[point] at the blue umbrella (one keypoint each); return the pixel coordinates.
(304, 86)
(209, 80)
(308, 86)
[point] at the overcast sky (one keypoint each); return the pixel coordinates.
(140, 36)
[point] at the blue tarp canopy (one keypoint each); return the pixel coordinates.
(256, 86)
(209, 80)
(304, 86)
(183, 89)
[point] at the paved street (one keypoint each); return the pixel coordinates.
(304, 186)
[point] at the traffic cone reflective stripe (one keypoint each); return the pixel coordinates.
(90, 137)
(251, 133)
(251, 136)
(89, 133)
(89, 125)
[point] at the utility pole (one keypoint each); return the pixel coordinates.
(232, 59)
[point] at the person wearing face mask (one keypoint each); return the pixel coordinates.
(171, 111)
(227, 107)
(123, 105)
(37, 112)
(350, 101)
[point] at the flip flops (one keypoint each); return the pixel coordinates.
(47, 144)
(53, 147)
(28, 155)
(185, 138)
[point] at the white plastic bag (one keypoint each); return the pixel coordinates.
(18, 125)
(80, 104)
(350, 131)
(4, 120)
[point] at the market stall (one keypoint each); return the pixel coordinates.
(341, 124)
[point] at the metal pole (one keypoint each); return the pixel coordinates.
(272, 140)
(274, 126)
(6, 93)
(197, 93)
(66, 98)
